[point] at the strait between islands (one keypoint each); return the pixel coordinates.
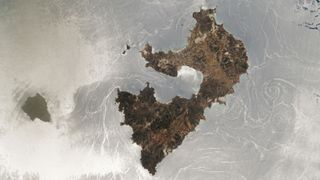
(159, 128)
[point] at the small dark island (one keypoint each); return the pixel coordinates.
(36, 107)
(160, 128)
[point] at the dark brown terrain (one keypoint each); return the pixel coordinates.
(159, 128)
(36, 107)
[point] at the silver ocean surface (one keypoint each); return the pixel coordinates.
(71, 52)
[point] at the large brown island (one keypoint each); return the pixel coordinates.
(159, 128)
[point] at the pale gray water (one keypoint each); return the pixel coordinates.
(72, 51)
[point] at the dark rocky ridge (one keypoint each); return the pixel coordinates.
(159, 128)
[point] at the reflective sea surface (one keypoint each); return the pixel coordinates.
(70, 51)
